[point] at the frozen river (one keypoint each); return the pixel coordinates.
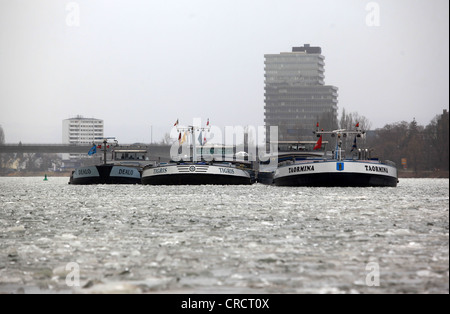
(60, 238)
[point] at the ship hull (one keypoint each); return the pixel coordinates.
(195, 175)
(265, 177)
(337, 174)
(105, 174)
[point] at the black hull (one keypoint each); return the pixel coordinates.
(103, 178)
(195, 179)
(337, 180)
(265, 178)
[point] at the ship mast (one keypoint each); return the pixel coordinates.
(339, 134)
(192, 130)
(105, 141)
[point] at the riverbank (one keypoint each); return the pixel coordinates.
(438, 174)
(37, 174)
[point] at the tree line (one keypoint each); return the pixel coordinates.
(415, 147)
(411, 146)
(2, 136)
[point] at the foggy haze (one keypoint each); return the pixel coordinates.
(141, 65)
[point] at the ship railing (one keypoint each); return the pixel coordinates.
(135, 163)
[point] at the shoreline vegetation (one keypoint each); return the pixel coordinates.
(402, 174)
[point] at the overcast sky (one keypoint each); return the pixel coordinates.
(137, 64)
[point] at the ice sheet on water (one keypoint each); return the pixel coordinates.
(209, 238)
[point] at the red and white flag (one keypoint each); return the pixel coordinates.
(318, 144)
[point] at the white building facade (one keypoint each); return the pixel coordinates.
(80, 130)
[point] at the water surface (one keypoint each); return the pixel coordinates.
(223, 239)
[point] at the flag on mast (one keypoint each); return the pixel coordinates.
(200, 137)
(93, 150)
(183, 139)
(176, 123)
(207, 122)
(318, 144)
(354, 147)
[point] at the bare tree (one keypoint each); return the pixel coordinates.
(391, 142)
(2, 136)
(436, 139)
(348, 121)
(2, 141)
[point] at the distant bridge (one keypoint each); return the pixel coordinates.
(158, 151)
